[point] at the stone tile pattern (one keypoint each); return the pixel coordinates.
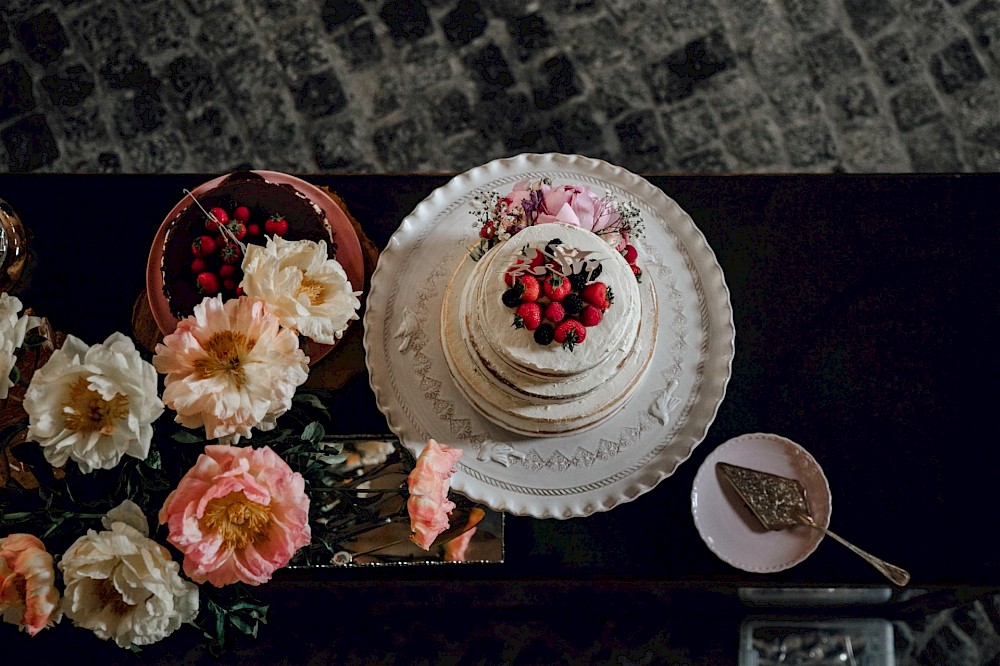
(442, 85)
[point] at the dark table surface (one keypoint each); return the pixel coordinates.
(866, 319)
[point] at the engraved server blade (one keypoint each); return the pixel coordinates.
(776, 501)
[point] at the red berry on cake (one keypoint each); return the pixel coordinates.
(590, 316)
(598, 294)
(630, 254)
(227, 271)
(231, 253)
(555, 312)
(529, 316)
(242, 213)
(538, 260)
(208, 283)
(253, 229)
(237, 229)
(556, 287)
(570, 332)
(532, 290)
(276, 225)
(198, 265)
(637, 272)
(509, 275)
(203, 246)
(229, 284)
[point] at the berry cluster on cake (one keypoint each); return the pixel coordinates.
(550, 331)
(200, 255)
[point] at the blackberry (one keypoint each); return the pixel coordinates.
(544, 334)
(512, 297)
(573, 303)
(578, 280)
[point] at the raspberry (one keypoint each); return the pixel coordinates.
(590, 316)
(555, 312)
(242, 213)
(544, 334)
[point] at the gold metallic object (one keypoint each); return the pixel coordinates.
(779, 503)
(13, 247)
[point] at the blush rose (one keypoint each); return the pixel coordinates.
(428, 483)
(28, 595)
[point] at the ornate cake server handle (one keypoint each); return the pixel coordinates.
(897, 575)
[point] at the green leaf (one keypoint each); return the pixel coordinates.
(153, 460)
(15, 375)
(34, 339)
(185, 437)
(314, 432)
(312, 400)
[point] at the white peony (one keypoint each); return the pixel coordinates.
(308, 292)
(230, 367)
(124, 586)
(93, 404)
(12, 332)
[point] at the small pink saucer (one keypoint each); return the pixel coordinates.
(729, 528)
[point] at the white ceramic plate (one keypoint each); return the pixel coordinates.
(727, 525)
(562, 477)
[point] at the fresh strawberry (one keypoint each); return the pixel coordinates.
(532, 290)
(227, 271)
(598, 294)
(229, 284)
(555, 312)
(637, 272)
(203, 246)
(198, 265)
(630, 254)
(239, 291)
(208, 283)
(556, 287)
(529, 316)
(570, 332)
(276, 225)
(231, 253)
(538, 259)
(253, 230)
(590, 316)
(242, 213)
(509, 275)
(237, 229)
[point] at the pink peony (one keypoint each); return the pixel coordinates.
(454, 550)
(238, 515)
(429, 481)
(28, 596)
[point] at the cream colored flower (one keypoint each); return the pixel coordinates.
(124, 586)
(93, 404)
(12, 331)
(230, 367)
(308, 292)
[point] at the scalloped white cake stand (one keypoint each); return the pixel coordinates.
(560, 477)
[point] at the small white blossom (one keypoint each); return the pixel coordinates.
(124, 586)
(12, 331)
(93, 404)
(306, 290)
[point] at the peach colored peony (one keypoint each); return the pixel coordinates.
(454, 550)
(230, 367)
(28, 595)
(429, 482)
(238, 515)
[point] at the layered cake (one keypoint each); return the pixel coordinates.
(550, 332)
(251, 208)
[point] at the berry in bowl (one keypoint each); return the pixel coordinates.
(208, 240)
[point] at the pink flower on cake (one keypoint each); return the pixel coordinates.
(28, 595)
(230, 367)
(428, 484)
(239, 514)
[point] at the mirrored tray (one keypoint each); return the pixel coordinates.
(562, 477)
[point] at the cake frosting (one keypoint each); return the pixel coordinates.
(306, 221)
(545, 389)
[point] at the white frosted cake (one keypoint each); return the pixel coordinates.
(540, 369)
